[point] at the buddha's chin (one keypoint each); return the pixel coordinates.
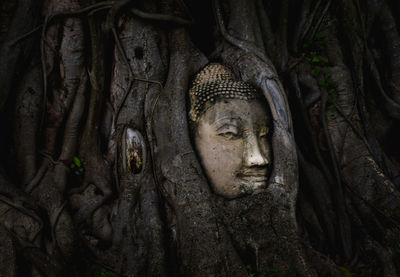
(242, 186)
(249, 184)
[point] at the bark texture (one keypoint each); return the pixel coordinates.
(98, 173)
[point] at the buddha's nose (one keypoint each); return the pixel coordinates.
(253, 155)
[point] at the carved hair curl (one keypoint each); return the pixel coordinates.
(213, 82)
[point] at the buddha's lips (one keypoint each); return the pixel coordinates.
(256, 175)
(254, 178)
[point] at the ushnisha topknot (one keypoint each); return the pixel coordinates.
(216, 81)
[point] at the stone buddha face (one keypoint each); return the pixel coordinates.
(232, 142)
(231, 136)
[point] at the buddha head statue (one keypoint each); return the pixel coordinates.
(230, 125)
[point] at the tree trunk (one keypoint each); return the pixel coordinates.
(99, 175)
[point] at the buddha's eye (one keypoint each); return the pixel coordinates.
(229, 132)
(229, 135)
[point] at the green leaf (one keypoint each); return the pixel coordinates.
(332, 107)
(272, 272)
(72, 165)
(319, 36)
(307, 44)
(328, 80)
(327, 83)
(323, 84)
(323, 59)
(77, 161)
(346, 272)
(105, 273)
(326, 68)
(315, 59)
(317, 71)
(81, 169)
(332, 91)
(396, 248)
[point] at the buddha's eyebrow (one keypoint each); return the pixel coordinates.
(230, 118)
